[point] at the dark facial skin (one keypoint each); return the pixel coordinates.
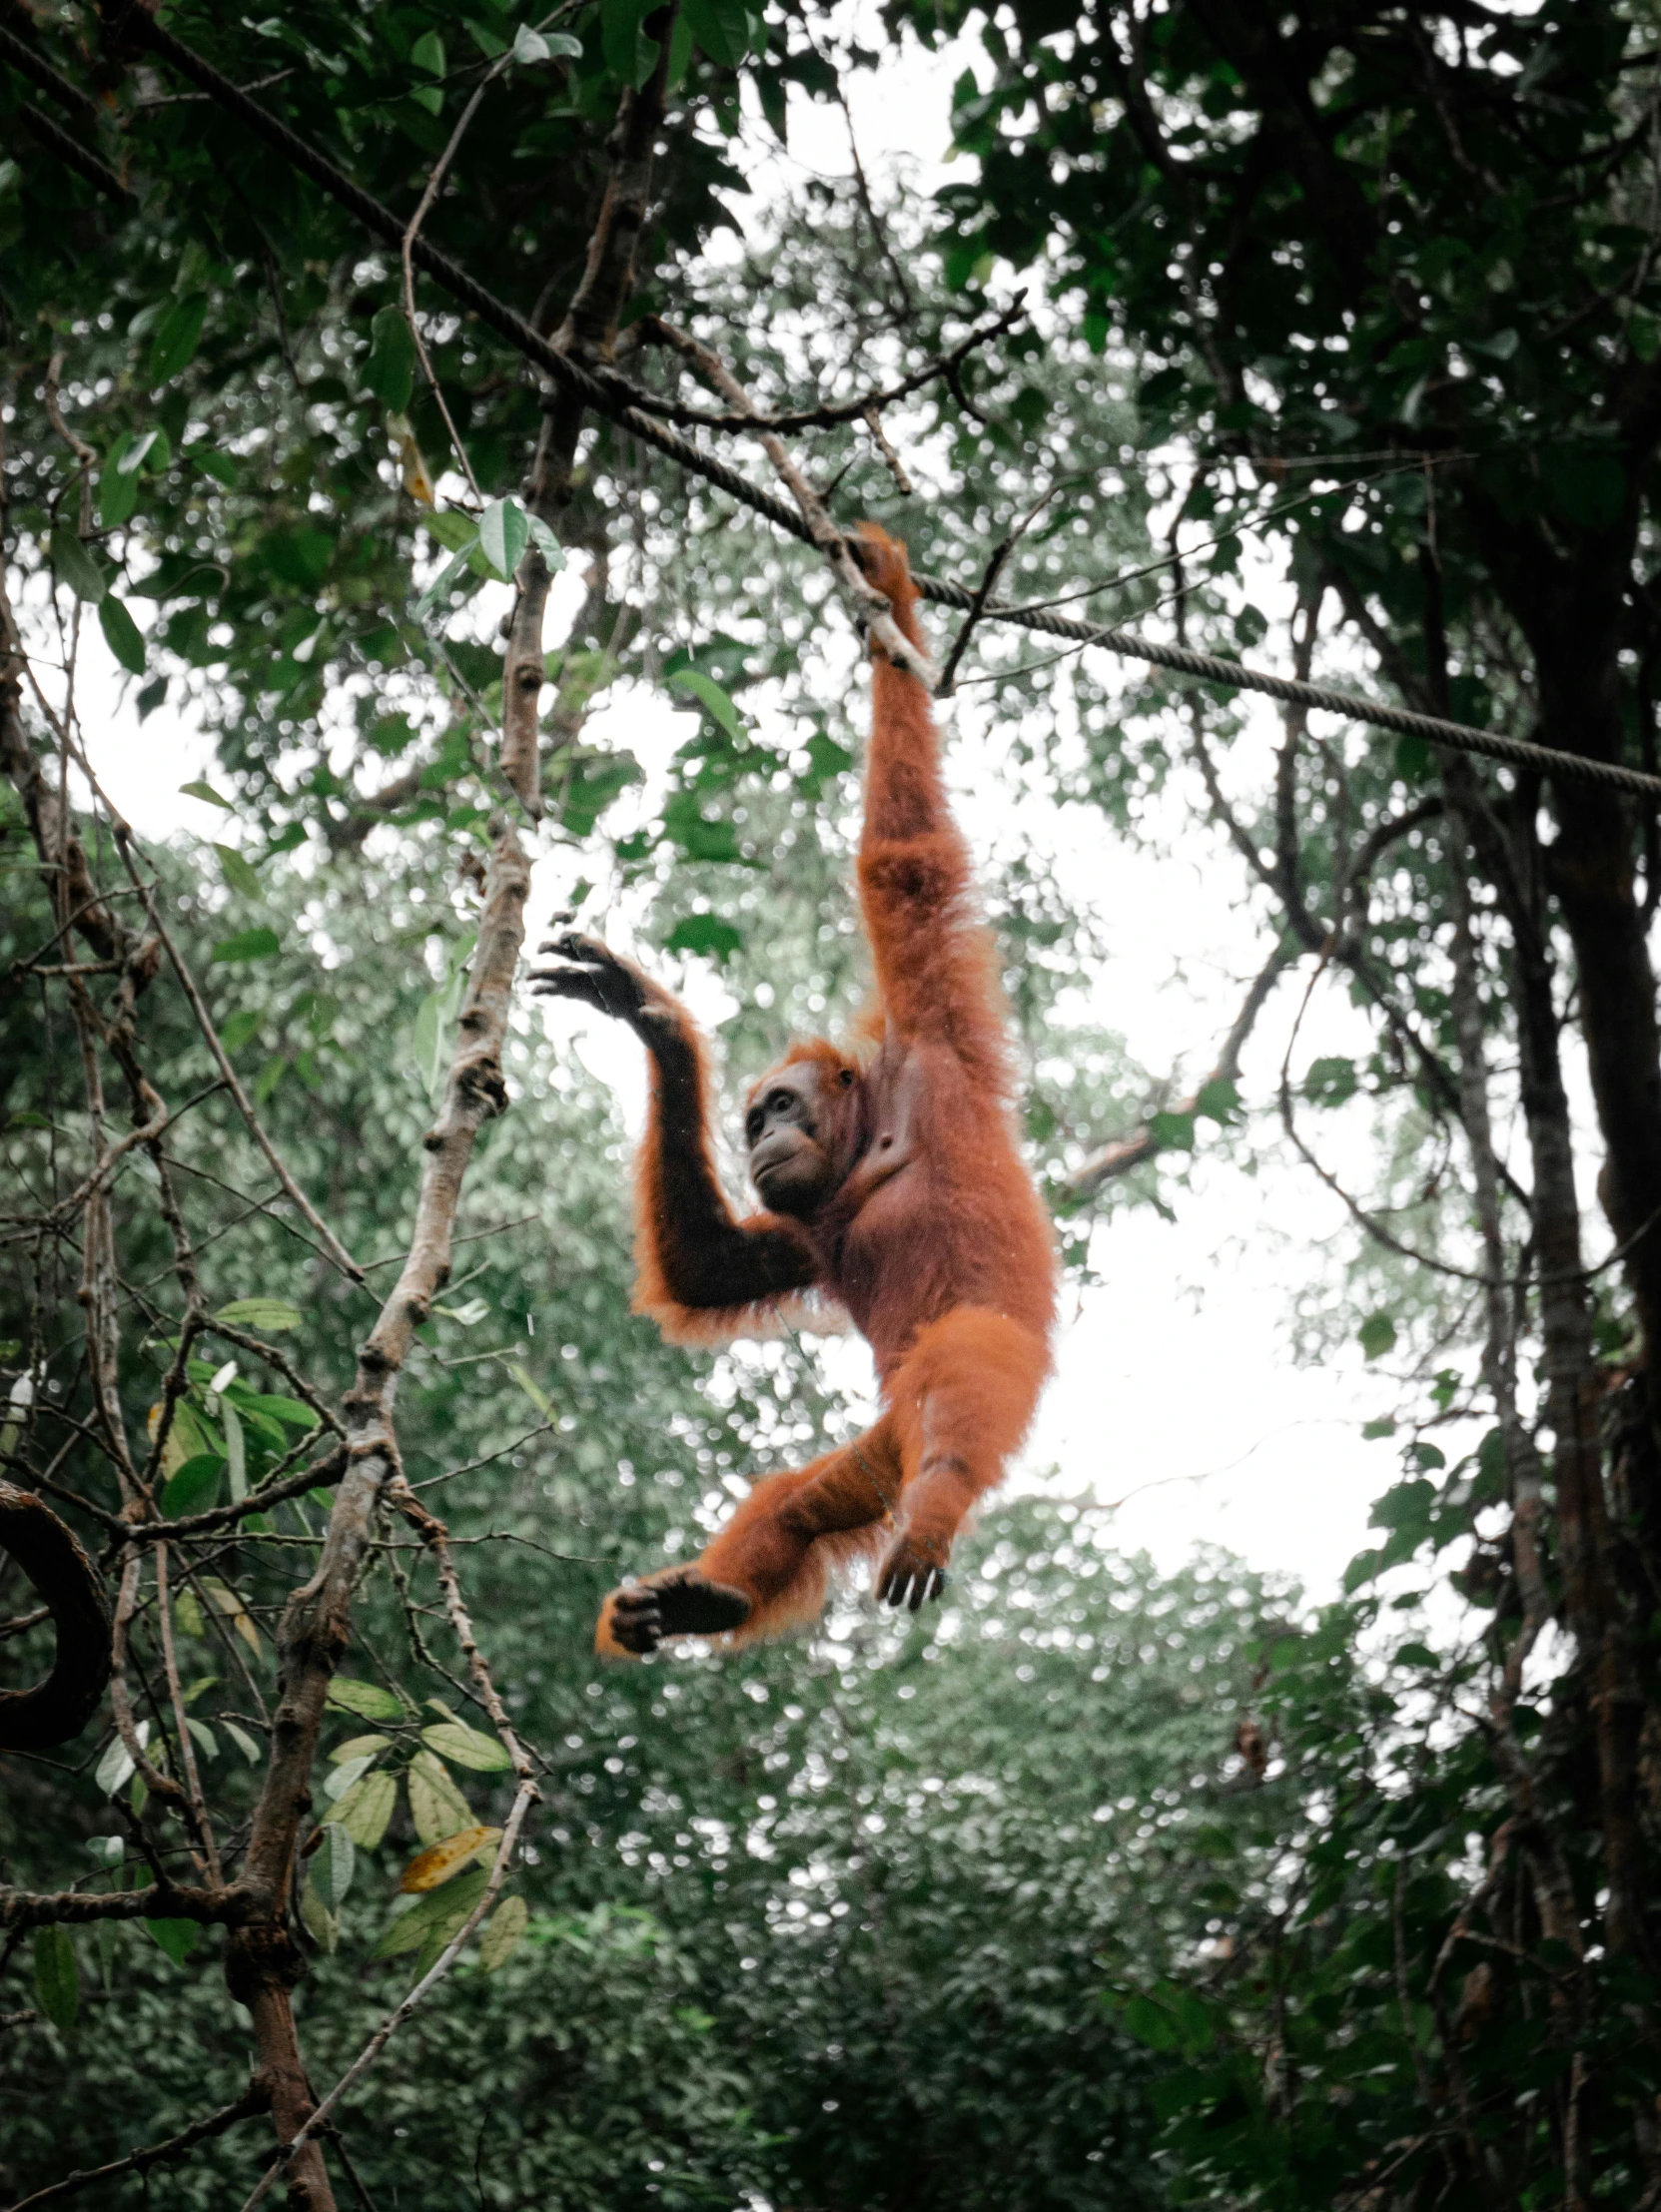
(789, 1134)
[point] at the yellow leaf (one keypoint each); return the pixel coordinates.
(174, 1453)
(418, 478)
(449, 1857)
(234, 1612)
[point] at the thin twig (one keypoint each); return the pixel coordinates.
(180, 1722)
(1126, 1153)
(332, 1247)
(869, 609)
(407, 255)
(251, 2100)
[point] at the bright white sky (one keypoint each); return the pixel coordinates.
(1174, 1392)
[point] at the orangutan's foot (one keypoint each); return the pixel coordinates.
(682, 1603)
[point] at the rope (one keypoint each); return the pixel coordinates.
(1463, 737)
(609, 396)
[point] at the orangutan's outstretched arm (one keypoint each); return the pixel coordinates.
(701, 1268)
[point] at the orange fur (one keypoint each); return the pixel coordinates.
(934, 1238)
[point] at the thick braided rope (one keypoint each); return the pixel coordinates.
(609, 398)
(1517, 752)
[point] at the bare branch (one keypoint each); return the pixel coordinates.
(434, 181)
(331, 1243)
(868, 608)
(163, 1900)
(1126, 1153)
(743, 414)
(156, 2154)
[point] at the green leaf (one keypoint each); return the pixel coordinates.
(532, 1389)
(320, 1923)
(333, 1863)
(440, 1912)
(114, 1765)
(552, 553)
(466, 1746)
(76, 566)
(628, 53)
(503, 1932)
(177, 1937)
(264, 1314)
(1405, 1505)
(358, 1746)
(1330, 1082)
(1361, 1569)
(243, 1741)
(721, 28)
(1377, 1336)
(437, 1806)
(1172, 1132)
(301, 559)
(236, 872)
(202, 790)
(259, 943)
(176, 338)
(529, 45)
(1149, 2023)
(365, 1810)
(350, 1772)
(241, 1026)
(118, 486)
(367, 1699)
(389, 371)
(428, 53)
(150, 449)
(444, 579)
(289, 1410)
(704, 933)
(57, 1976)
(1219, 1101)
(504, 535)
(826, 758)
(221, 467)
(122, 634)
(193, 1487)
(455, 532)
(710, 695)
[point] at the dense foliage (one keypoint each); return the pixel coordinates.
(1102, 1885)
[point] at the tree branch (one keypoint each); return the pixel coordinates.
(1126, 1153)
(155, 2154)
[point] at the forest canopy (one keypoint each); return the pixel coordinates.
(404, 405)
